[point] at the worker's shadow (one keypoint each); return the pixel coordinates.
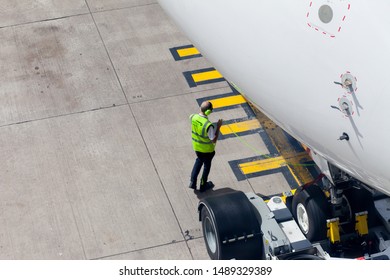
(213, 192)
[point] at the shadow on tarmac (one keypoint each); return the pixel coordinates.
(213, 192)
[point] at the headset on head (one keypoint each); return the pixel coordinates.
(209, 110)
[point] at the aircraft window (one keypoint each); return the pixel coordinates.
(325, 13)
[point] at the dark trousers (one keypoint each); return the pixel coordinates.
(202, 159)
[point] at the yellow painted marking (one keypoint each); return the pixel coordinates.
(300, 173)
(239, 126)
(294, 175)
(227, 101)
(187, 52)
(206, 76)
(262, 165)
(271, 163)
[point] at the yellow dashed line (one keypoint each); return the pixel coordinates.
(262, 165)
(187, 52)
(228, 101)
(288, 158)
(206, 76)
(270, 163)
(240, 127)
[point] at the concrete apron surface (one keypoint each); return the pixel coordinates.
(95, 139)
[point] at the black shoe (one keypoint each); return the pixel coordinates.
(192, 185)
(208, 186)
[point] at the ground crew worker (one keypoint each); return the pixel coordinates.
(204, 138)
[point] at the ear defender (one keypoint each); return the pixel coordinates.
(208, 111)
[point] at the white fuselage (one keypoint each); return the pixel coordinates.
(286, 57)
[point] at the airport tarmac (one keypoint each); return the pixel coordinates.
(95, 139)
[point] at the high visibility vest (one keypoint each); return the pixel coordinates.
(200, 139)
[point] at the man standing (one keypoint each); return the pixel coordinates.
(204, 138)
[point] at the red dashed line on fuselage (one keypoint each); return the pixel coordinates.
(324, 32)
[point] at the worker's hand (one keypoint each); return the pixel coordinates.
(219, 123)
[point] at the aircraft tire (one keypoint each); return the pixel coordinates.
(311, 210)
(231, 228)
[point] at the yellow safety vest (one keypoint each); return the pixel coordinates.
(200, 139)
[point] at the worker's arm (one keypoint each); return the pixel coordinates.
(217, 131)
